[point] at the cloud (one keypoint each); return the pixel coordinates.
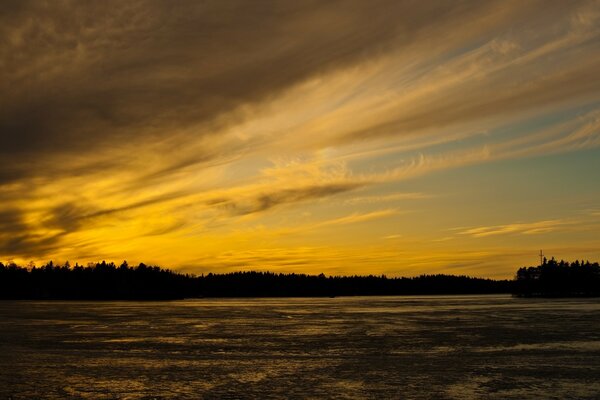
(71, 216)
(392, 237)
(79, 76)
(528, 228)
(387, 198)
(19, 239)
(111, 81)
(357, 217)
(267, 200)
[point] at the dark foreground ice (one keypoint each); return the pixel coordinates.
(466, 347)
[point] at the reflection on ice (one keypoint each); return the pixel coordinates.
(380, 347)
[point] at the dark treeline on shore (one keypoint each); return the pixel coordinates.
(250, 284)
(95, 282)
(108, 281)
(559, 279)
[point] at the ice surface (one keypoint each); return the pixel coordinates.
(454, 347)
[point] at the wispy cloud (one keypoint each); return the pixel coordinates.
(267, 200)
(387, 198)
(527, 228)
(357, 217)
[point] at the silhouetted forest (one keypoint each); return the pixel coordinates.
(95, 281)
(559, 279)
(108, 281)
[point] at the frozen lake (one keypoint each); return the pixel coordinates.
(443, 347)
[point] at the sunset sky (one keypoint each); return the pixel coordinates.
(344, 137)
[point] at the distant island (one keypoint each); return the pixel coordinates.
(108, 281)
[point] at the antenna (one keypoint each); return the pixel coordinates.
(541, 257)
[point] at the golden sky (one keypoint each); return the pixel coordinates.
(344, 137)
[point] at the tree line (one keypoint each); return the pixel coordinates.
(558, 279)
(108, 281)
(95, 281)
(98, 281)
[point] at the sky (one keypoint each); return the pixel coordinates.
(344, 137)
